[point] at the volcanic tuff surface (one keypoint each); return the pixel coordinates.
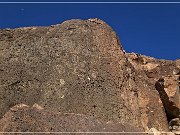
(27, 119)
(79, 67)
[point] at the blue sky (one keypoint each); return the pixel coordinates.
(150, 29)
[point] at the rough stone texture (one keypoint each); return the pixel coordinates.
(79, 67)
(156, 69)
(76, 67)
(174, 125)
(154, 131)
(165, 76)
(22, 118)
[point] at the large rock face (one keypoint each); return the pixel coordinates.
(78, 67)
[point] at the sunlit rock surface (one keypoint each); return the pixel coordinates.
(79, 67)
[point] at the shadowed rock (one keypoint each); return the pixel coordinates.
(22, 118)
(163, 76)
(174, 125)
(171, 110)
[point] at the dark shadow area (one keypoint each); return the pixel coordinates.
(171, 110)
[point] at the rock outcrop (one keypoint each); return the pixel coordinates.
(165, 76)
(75, 67)
(79, 67)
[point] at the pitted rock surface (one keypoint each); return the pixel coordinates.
(22, 118)
(79, 67)
(74, 67)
